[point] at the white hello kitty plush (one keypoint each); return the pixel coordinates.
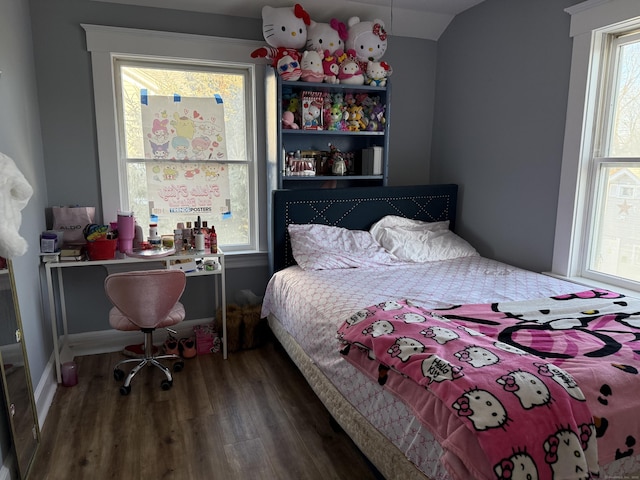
(326, 36)
(311, 66)
(368, 40)
(376, 73)
(285, 30)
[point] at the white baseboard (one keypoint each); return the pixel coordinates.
(91, 343)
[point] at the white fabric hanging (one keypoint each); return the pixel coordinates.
(15, 192)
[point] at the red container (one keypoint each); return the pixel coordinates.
(102, 249)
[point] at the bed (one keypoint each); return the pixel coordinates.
(369, 396)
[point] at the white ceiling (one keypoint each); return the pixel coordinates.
(405, 18)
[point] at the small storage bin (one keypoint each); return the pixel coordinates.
(102, 249)
(207, 339)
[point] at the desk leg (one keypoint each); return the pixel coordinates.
(54, 322)
(224, 311)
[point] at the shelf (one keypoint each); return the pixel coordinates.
(332, 87)
(332, 132)
(332, 177)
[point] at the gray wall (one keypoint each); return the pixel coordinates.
(20, 139)
(502, 85)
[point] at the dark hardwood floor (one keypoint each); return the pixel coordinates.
(252, 416)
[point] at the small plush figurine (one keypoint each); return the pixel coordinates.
(356, 122)
(367, 39)
(377, 73)
(311, 116)
(337, 116)
(350, 73)
(288, 66)
(326, 36)
(288, 122)
(285, 30)
(311, 66)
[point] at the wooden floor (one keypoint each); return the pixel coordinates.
(250, 417)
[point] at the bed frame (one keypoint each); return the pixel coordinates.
(357, 209)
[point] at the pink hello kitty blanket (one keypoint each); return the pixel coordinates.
(543, 385)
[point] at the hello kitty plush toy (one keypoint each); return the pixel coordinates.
(285, 30)
(327, 36)
(311, 66)
(367, 39)
(377, 73)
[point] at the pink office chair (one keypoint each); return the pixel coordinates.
(146, 300)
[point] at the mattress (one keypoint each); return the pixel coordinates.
(311, 305)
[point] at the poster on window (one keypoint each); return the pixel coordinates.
(183, 128)
(182, 191)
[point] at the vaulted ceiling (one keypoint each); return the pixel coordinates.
(405, 18)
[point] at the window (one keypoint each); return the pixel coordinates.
(178, 121)
(598, 224)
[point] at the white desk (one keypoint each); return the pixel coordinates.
(57, 298)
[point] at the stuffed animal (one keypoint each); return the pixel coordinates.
(337, 117)
(288, 122)
(367, 39)
(350, 72)
(356, 122)
(311, 115)
(285, 30)
(377, 73)
(288, 66)
(326, 36)
(311, 66)
(15, 193)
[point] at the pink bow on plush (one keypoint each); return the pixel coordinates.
(339, 27)
(379, 31)
(300, 12)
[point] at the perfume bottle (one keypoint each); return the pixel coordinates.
(213, 240)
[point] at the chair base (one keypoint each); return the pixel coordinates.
(148, 360)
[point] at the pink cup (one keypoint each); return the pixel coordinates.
(126, 232)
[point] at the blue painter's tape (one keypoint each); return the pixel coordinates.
(226, 215)
(218, 98)
(176, 98)
(144, 96)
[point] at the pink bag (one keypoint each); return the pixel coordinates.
(72, 220)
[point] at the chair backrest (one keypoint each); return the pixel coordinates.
(145, 297)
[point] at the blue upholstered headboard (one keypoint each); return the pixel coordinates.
(356, 208)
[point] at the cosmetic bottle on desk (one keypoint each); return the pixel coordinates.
(213, 240)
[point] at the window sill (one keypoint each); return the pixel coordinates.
(588, 282)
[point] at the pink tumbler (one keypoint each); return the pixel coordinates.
(126, 231)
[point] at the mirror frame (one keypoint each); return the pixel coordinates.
(20, 447)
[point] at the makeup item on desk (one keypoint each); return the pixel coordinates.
(177, 240)
(199, 242)
(213, 240)
(154, 238)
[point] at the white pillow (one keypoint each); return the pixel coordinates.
(322, 247)
(417, 241)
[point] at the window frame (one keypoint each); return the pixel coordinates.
(105, 44)
(593, 26)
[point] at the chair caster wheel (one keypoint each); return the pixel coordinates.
(166, 384)
(178, 366)
(125, 390)
(118, 374)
